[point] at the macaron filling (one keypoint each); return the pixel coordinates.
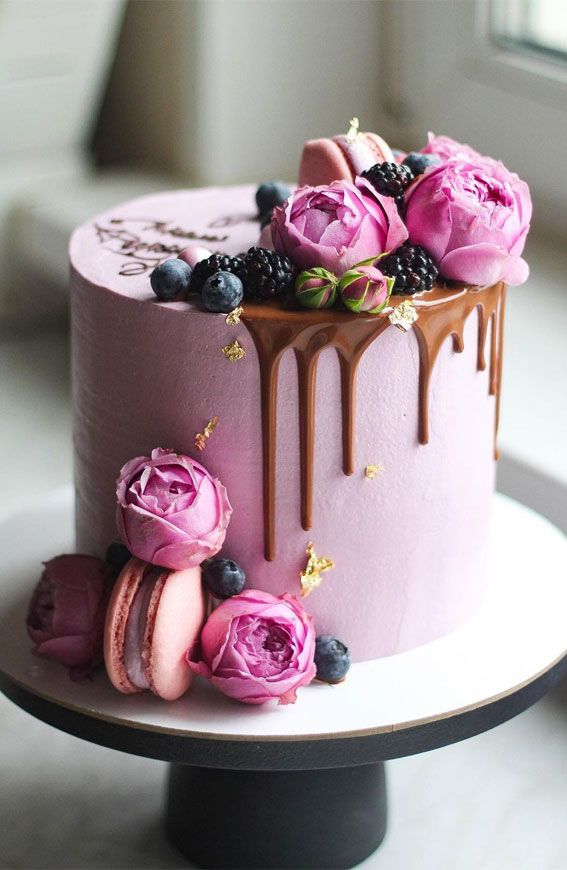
(136, 629)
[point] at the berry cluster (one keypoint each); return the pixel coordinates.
(413, 269)
(213, 264)
(390, 179)
(266, 274)
(263, 274)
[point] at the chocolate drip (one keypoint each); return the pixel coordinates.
(437, 322)
(275, 330)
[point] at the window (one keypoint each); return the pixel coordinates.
(446, 70)
(533, 26)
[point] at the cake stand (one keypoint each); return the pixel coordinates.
(303, 786)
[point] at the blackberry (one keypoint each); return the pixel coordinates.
(389, 179)
(412, 267)
(266, 274)
(213, 264)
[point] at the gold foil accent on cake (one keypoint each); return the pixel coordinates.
(201, 437)
(310, 578)
(404, 315)
(233, 317)
(353, 130)
(234, 351)
(372, 471)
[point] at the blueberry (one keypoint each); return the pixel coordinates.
(222, 291)
(418, 162)
(265, 218)
(223, 577)
(170, 279)
(117, 555)
(332, 659)
(271, 194)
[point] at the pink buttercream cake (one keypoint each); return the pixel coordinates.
(410, 544)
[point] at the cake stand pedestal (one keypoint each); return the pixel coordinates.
(303, 786)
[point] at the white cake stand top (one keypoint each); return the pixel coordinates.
(488, 670)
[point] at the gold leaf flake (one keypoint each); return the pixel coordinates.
(234, 351)
(372, 471)
(404, 315)
(353, 130)
(310, 578)
(201, 437)
(234, 316)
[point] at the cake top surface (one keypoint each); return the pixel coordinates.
(121, 247)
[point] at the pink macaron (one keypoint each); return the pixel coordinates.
(153, 617)
(327, 160)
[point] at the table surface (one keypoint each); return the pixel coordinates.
(518, 638)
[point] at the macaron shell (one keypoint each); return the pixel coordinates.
(175, 617)
(117, 613)
(381, 148)
(327, 160)
(322, 162)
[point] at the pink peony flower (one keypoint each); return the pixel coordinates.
(256, 647)
(365, 288)
(67, 609)
(473, 218)
(171, 511)
(336, 225)
(446, 149)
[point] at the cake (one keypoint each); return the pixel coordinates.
(353, 436)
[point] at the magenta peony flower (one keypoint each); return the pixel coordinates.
(336, 225)
(170, 511)
(67, 609)
(365, 288)
(473, 218)
(446, 149)
(256, 647)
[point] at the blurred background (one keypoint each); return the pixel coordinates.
(103, 100)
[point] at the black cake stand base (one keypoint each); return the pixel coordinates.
(303, 786)
(284, 819)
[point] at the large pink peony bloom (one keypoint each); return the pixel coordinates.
(473, 218)
(67, 609)
(336, 226)
(446, 148)
(171, 511)
(256, 647)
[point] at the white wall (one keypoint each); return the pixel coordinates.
(273, 74)
(228, 90)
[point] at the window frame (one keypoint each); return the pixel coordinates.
(532, 73)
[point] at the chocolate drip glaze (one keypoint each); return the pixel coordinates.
(275, 330)
(437, 322)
